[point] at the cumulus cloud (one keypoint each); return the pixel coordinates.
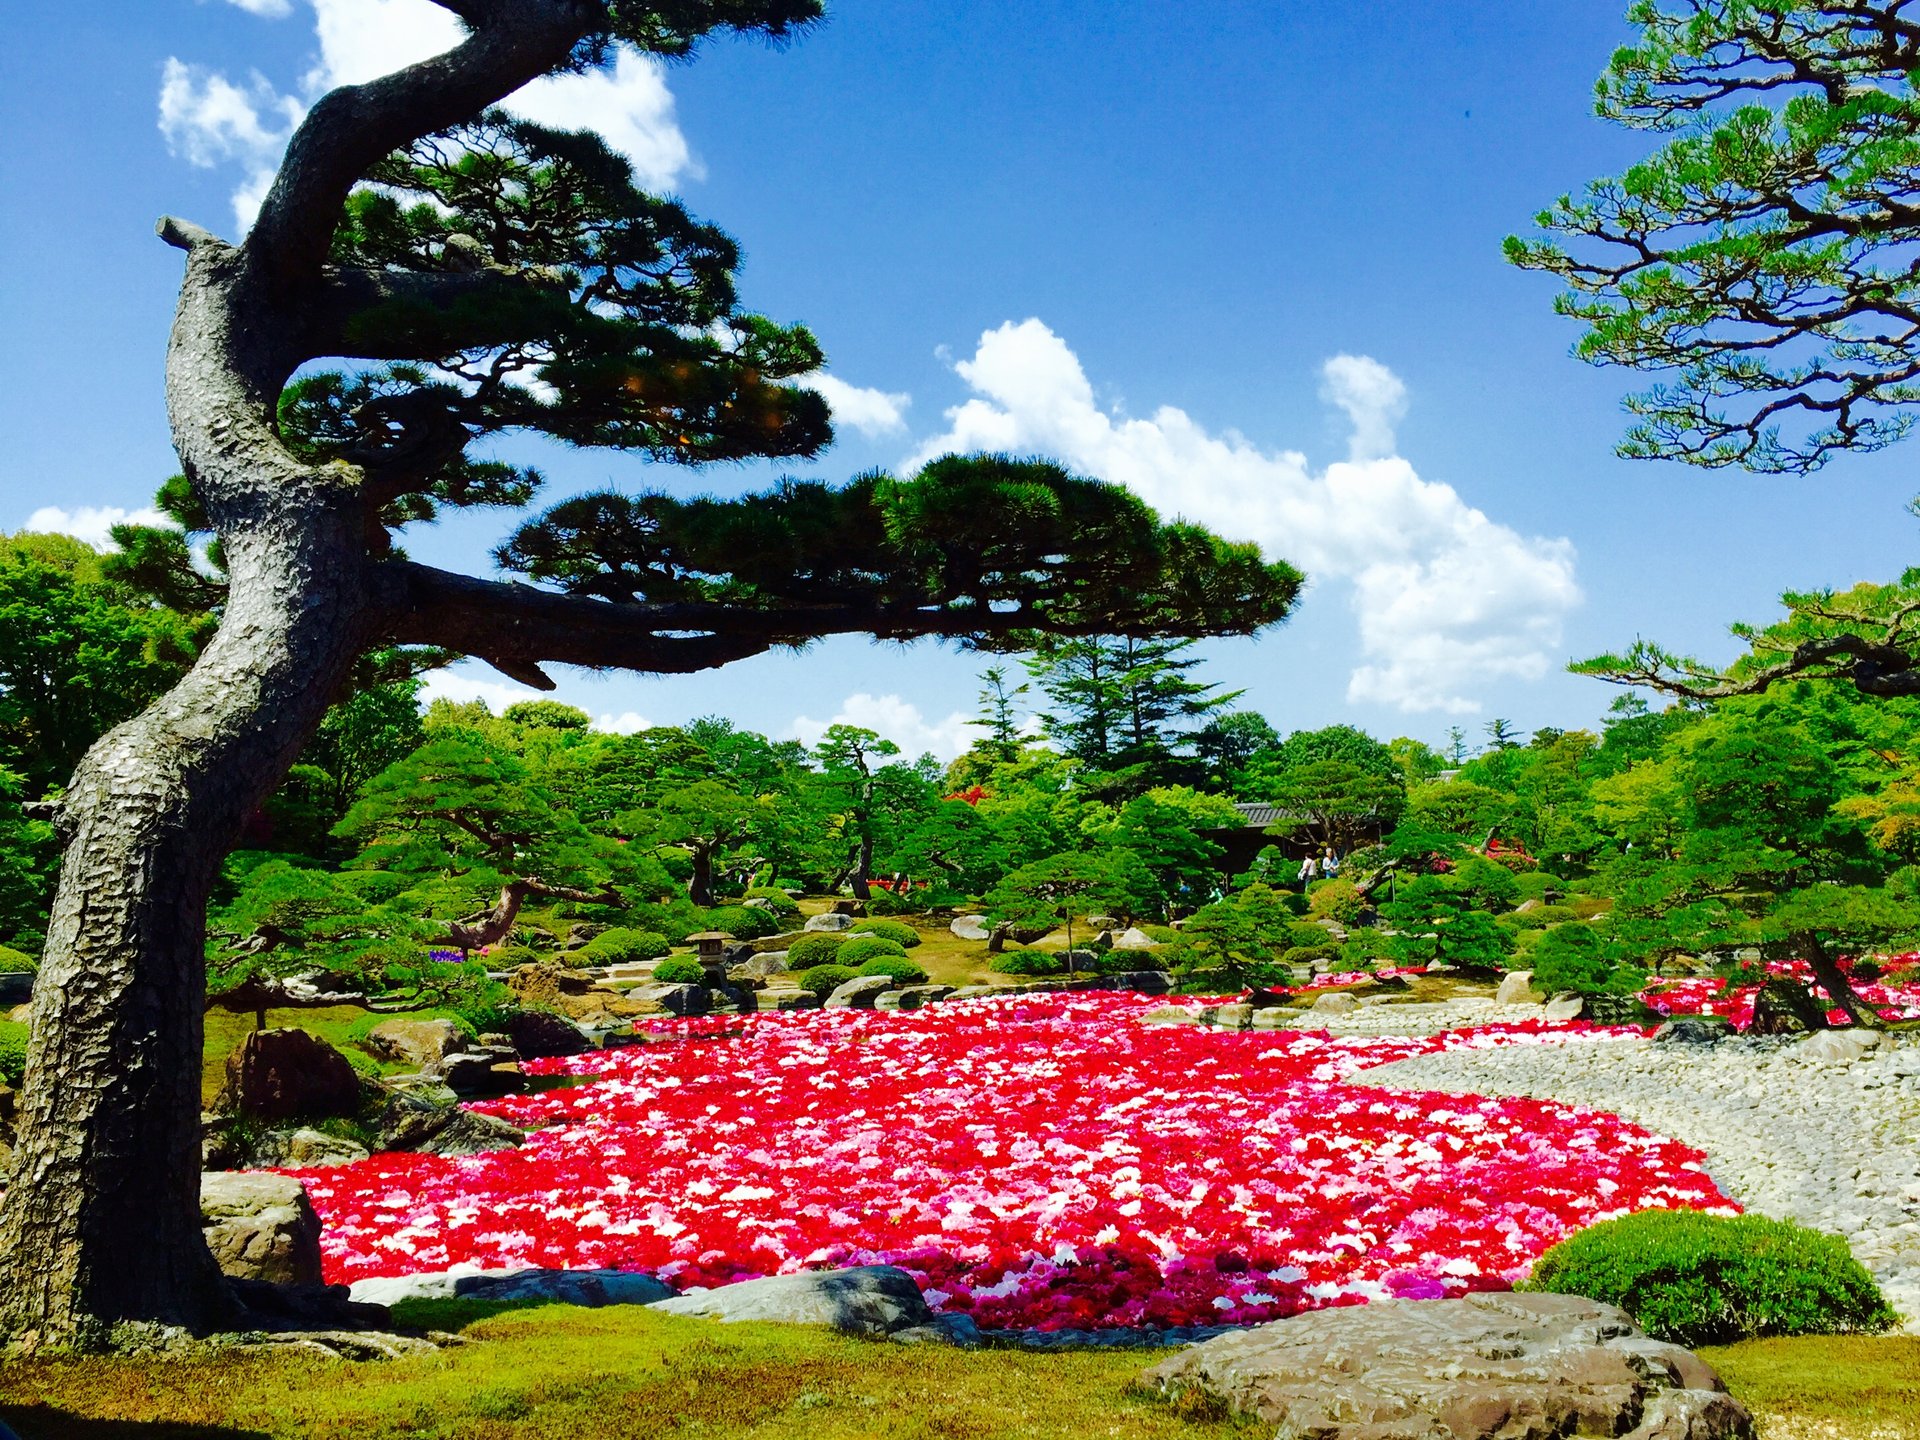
(627, 722)
(1446, 599)
(452, 685)
(872, 412)
(91, 523)
(209, 120)
(895, 719)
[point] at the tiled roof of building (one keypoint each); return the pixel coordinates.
(1258, 814)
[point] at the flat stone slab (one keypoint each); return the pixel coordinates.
(590, 1288)
(1487, 1367)
(876, 1300)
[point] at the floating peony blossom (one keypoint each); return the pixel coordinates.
(1042, 1161)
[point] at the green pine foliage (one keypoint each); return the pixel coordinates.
(1696, 1279)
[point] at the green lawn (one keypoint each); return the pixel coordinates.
(569, 1374)
(580, 1374)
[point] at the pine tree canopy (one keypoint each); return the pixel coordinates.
(486, 276)
(1761, 256)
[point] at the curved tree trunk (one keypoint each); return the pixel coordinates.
(101, 1223)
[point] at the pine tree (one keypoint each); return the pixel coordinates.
(417, 260)
(1123, 703)
(997, 716)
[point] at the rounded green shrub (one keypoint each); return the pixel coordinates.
(861, 948)
(824, 979)
(17, 962)
(1160, 934)
(13, 1051)
(1698, 1279)
(744, 922)
(902, 935)
(895, 967)
(507, 957)
(679, 971)
(1026, 962)
(1311, 954)
(621, 946)
(810, 950)
(1126, 962)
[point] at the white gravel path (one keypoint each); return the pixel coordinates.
(1830, 1144)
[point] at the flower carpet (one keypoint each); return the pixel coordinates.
(1896, 994)
(1045, 1161)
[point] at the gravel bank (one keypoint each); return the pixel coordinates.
(1830, 1144)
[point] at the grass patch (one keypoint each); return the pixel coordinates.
(1826, 1387)
(564, 1373)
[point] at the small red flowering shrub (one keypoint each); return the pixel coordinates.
(1895, 993)
(1047, 1161)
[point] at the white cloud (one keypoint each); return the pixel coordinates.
(1446, 600)
(451, 685)
(627, 722)
(895, 719)
(209, 120)
(872, 412)
(1374, 399)
(91, 523)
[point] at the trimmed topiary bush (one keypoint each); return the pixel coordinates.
(824, 979)
(13, 1051)
(1699, 1279)
(895, 967)
(17, 962)
(621, 946)
(901, 934)
(744, 922)
(679, 971)
(811, 950)
(861, 948)
(1026, 962)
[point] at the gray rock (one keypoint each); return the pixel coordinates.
(430, 1122)
(422, 1044)
(832, 921)
(1230, 1017)
(788, 998)
(1336, 1002)
(970, 927)
(1516, 988)
(541, 1035)
(761, 967)
(874, 1300)
(911, 997)
(1511, 1366)
(672, 999)
(1835, 1045)
(1134, 940)
(261, 1227)
(306, 1149)
(1690, 1030)
(859, 993)
(589, 1288)
(491, 1071)
(1171, 1015)
(1565, 1007)
(288, 1075)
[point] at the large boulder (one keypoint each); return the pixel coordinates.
(1487, 1367)
(305, 1149)
(421, 1044)
(1786, 1007)
(261, 1227)
(1835, 1046)
(970, 927)
(832, 921)
(787, 998)
(859, 993)
(486, 1070)
(542, 1035)
(866, 1300)
(590, 1288)
(671, 999)
(288, 1075)
(430, 1121)
(1134, 939)
(1336, 1002)
(911, 997)
(1516, 988)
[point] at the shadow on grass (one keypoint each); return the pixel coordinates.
(44, 1422)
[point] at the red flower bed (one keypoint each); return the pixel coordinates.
(1047, 1161)
(1896, 995)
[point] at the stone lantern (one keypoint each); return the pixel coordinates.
(710, 949)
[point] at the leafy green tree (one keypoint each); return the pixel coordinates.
(1335, 803)
(469, 814)
(704, 819)
(1069, 887)
(998, 716)
(1167, 830)
(1226, 745)
(418, 257)
(956, 845)
(1574, 956)
(1459, 807)
(1239, 936)
(848, 756)
(1758, 258)
(1437, 924)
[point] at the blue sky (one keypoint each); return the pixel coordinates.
(1242, 257)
